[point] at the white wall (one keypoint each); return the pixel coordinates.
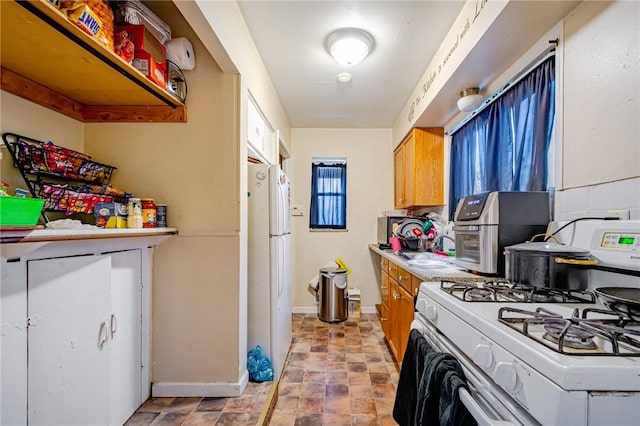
(369, 156)
(601, 141)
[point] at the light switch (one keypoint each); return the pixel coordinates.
(297, 211)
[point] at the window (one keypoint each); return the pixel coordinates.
(505, 147)
(328, 194)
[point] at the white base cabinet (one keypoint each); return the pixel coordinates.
(76, 350)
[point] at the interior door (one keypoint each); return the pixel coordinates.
(125, 334)
(68, 303)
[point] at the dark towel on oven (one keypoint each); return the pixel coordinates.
(413, 364)
(428, 386)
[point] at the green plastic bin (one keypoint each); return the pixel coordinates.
(19, 211)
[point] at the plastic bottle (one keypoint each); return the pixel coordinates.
(134, 218)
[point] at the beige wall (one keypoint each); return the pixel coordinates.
(369, 191)
(193, 167)
(25, 118)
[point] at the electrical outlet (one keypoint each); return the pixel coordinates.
(297, 211)
(622, 214)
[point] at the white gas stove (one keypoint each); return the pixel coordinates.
(530, 357)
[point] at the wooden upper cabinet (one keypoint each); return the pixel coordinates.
(48, 60)
(419, 169)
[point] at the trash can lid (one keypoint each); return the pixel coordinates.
(333, 270)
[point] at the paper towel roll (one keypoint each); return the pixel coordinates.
(180, 51)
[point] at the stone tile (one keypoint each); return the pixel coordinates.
(279, 418)
(287, 403)
(336, 390)
(359, 379)
(292, 376)
(380, 378)
(387, 390)
(183, 405)
(337, 377)
(170, 419)
(315, 377)
(356, 357)
(241, 404)
(336, 420)
(308, 420)
(233, 419)
(316, 366)
(298, 356)
(289, 389)
(378, 367)
(357, 367)
(384, 405)
(387, 420)
(202, 418)
(361, 391)
(313, 389)
(340, 405)
(155, 405)
(363, 406)
(311, 404)
(364, 420)
(141, 419)
(337, 356)
(212, 404)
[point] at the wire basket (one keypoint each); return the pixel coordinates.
(72, 199)
(38, 158)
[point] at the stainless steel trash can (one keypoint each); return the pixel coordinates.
(332, 294)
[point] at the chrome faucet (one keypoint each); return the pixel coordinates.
(440, 237)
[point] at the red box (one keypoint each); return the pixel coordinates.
(150, 56)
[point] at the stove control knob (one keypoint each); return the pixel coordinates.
(483, 356)
(506, 376)
(430, 312)
(420, 305)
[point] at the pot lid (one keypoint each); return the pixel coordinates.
(550, 247)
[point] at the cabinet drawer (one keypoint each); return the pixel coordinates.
(383, 317)
(384, 289)
(404, 279)
(384, 264)
(393, 270)
(415, 284)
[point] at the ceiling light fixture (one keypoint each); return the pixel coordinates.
(469, 100)
(349, 46)
(344, 77)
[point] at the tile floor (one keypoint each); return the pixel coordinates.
(336, 374)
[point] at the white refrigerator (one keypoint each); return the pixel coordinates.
(269, 263)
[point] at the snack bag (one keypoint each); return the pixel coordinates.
(94, 17)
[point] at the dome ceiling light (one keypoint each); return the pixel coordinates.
(469, 100)
(349, 46)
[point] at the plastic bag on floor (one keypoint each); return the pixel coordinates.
(259, 366)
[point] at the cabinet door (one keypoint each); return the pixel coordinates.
(384, 310)
(428, 171)
(125, 334)
(405, 317)
(394, 330)
(398, 178)
(409, 165)
(68, 303)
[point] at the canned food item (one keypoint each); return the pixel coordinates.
(148, 213)
(134, 217)
(161, 215)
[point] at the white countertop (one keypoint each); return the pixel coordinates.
(432, 274)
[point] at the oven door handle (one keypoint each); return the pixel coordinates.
(477, 412)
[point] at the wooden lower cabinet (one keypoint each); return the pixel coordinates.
(397, 304)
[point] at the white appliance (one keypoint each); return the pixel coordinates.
(269, 263)
(516, 375)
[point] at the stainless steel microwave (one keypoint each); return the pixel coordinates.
(486, 223)
(387, 225)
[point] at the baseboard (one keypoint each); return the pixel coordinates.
(207, 389)
(314, 309)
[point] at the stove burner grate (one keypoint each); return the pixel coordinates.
(508, 292)
(576, 335)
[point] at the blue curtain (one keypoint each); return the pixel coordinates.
(328, 196)
(505, 147)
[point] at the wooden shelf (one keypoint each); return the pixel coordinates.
(48, 60)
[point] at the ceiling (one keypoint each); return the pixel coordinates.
(290, 37)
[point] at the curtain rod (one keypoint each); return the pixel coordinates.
(547, 53)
